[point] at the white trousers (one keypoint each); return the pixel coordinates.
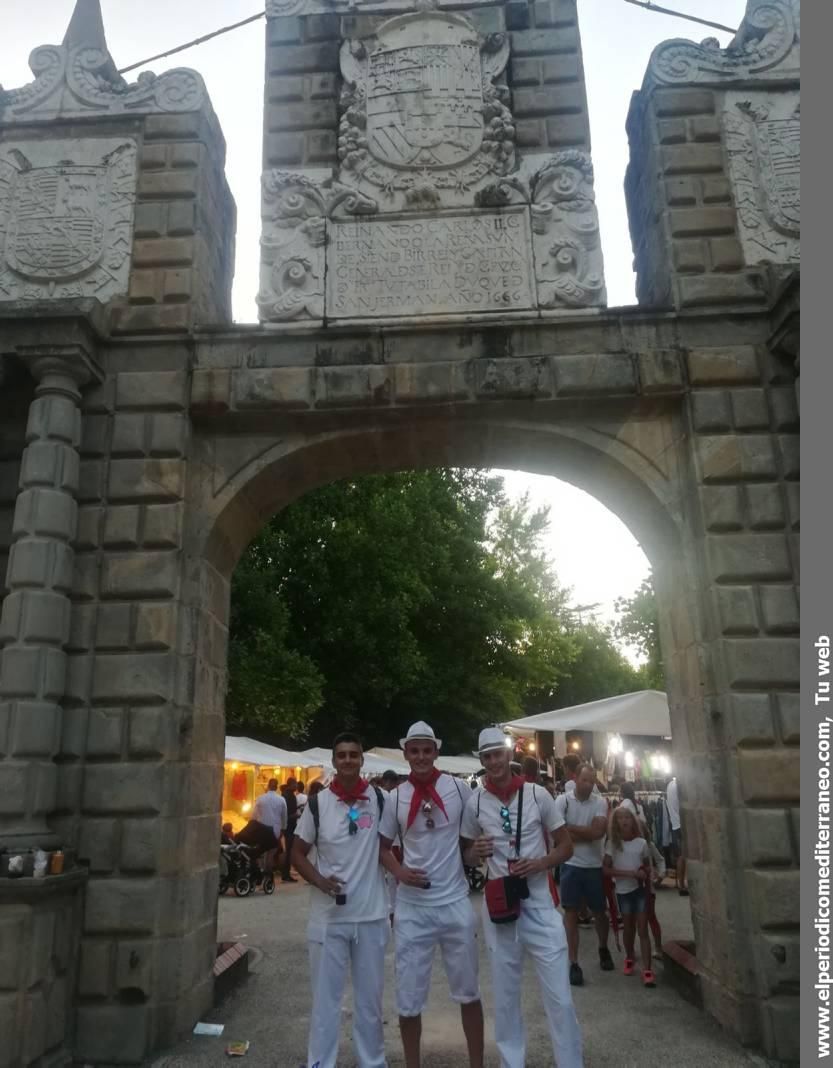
(540, 931)
(332, 949)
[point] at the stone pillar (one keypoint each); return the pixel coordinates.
(35, 620)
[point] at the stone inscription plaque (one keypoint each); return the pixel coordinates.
(432, 265)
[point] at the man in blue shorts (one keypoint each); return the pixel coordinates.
(585, 814)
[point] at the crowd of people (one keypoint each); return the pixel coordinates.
(389, 856)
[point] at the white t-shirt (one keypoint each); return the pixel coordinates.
(631, 856)
(672, 800)
(577, 813)
(270, 808)
(352, 859)
(539, 813)
(301, 801)
(435, 850)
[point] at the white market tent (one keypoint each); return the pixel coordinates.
(644, 712)
(454, 765)
(249, 751)
(373, 763)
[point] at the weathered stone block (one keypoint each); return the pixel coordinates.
(338, 387)
(133, 677)
(750, 409)
(784, 407)
(748, 557)
(210, 391)
(762, 662)
(702, 222)
(155, 626)
(749, 720)
(725, 254)
(150, 480)
(98, 843)
(779, 606)
(697, 291)
(711, 411)
(162, 526)
(789, 717)
(608, 373)
(516, 377)
(773, 895)
(738, 610)
(789, 447)
(121, 527)
(429, 383)
(140, 574)
(660, 371)
(88, 528)
(728, 458)
(153, 732)
(141, 846)
(94, 974)
(35, 731)
(114, 1033)
(691, 159)
(734, 365)
(765, 834)
(769, 775)
(684, 102)
(151, 389)
(781, 1021)
(123, 788)
(279, 388)
(722, 507)
(33, 672)
(765, 506)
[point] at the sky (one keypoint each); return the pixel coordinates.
(592, 550)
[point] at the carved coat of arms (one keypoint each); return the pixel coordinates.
(763, 139)
(66, 226)
(422, 115)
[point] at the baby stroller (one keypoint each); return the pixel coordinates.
(240, 868)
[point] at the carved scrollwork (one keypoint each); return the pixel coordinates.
(77, 82)
(293, 241)
(565, 224)
(765, 39)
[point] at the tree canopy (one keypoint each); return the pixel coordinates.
(421, 595)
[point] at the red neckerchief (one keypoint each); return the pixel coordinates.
(424, 791)
(349, 796)
(506, 793)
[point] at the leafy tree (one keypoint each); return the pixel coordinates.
(598, 669)
(396, 597)
(638, 625)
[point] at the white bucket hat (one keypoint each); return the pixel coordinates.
(491, 738)
(422, 731)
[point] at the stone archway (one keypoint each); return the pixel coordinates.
(158, 436)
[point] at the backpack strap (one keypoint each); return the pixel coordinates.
(312, 804)
(380, 800)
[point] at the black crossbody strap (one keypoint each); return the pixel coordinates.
(520, 820)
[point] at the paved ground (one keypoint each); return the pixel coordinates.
(624, 1025)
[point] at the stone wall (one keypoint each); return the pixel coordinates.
(162, 449)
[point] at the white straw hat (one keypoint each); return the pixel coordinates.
(491, 738)
(423, 732)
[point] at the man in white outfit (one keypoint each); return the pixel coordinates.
(490, 830)
(432, 899)
(348, 917)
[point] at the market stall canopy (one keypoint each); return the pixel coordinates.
(454, 765)
(643, 712)
(249, 751)
(373, 763)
